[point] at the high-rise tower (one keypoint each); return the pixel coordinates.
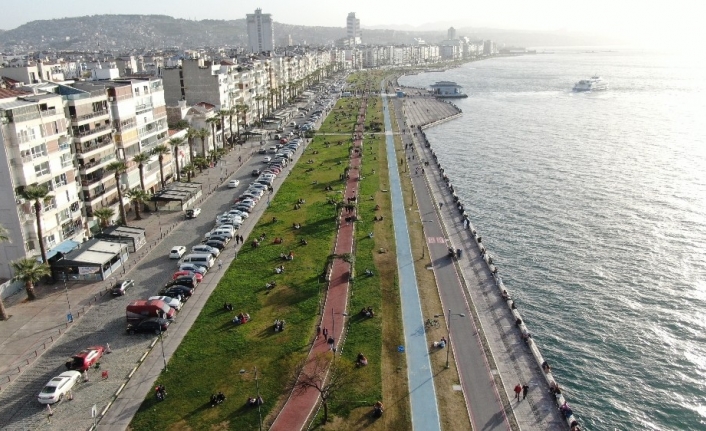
(261, 34)
(353, 27)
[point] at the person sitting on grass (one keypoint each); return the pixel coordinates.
(303, 242)
(279, 269)
(290, 256)
(440, 344)
(278, 240)
(361, 361)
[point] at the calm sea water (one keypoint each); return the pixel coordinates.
(594, 207)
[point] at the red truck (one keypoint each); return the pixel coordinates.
(85, 359)
(143, 309)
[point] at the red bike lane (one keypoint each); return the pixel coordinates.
(300, 405)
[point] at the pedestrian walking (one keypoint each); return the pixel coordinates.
(518, 389)
(85, 375)
(220, 263)
(70, 395)
(318, 331)
(441, 204)
(525, 389)
(325, 332)
(51, 413)
(107, 348)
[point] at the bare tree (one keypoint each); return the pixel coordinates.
(329, 376)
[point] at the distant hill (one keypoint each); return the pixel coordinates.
(128, 32)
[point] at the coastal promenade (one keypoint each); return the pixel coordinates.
(490, 352)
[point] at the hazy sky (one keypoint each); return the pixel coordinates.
(653, 20)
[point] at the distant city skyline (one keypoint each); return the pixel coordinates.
(663, 22)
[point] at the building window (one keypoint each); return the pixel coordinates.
(41, 169)
(22, 136)
(39, 151)
(50, 240)
(29, 245)
(60, 180)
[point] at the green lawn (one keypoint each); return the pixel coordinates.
(217, 356)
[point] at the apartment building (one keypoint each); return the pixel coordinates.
(37, 149)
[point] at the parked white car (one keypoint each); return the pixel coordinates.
(177, 252)
(172, 302)
(233, 184)
(56, 389)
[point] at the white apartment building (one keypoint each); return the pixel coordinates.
(261, 34)
(36, 150)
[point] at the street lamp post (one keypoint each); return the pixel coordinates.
(69, 317)
(257, 387)
(448, 329)
(161, 342)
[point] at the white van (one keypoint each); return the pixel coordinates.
(206, 260)
(272, 150)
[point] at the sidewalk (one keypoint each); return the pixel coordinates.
(35, 326)
(297, 411)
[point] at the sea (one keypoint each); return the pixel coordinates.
(593, 206)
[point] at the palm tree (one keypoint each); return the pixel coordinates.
(176, 143)
(141, 159)
(242, 109)
(29, 271)
(231, 112)
(222, 114)
(140, 198)
(257, 105)
(200, 162)
(213, 121)
(191, 134)
(203, 134)
(38, 194)
(104, 215)
(161, 150)
(189, 170)
(119, 167)
(3, 237)
(273, 96)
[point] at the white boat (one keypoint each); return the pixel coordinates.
(596, 83)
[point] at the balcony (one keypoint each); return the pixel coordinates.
(139, 109)
(84, 133)
(97, 193)
(48, 112)
(92, 164)
(66, 163)
(78, 118)
(88, 147)
(64, 145)
(122, 126)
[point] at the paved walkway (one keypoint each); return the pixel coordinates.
(509, 360)
(296, 413)
(424, 408)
